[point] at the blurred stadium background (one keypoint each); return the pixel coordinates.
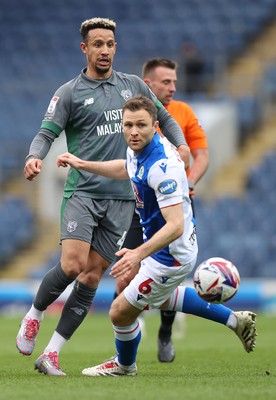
(235, 99)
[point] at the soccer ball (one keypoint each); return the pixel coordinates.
(216, 280)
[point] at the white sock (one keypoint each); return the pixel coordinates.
(126, 367)
(34, 313)
(232, 321)
(56, 343)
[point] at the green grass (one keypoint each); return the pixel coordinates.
(210, 364)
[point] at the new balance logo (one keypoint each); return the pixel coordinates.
(78, 311)
(89, 101)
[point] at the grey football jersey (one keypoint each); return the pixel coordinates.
(90, 113)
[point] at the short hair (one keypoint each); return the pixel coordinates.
(94, 23)
(153, 63)
(141, 102)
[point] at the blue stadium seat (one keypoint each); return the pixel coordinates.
(269, 82)
(17, 227)
(193, 21)
(49, 50)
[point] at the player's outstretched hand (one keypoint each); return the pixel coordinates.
(65, 159)
(32, 168)
(130, 260)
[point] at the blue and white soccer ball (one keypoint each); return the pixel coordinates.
(216, 280)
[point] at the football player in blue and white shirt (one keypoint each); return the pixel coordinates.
(169, 251)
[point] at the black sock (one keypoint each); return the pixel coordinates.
(75, 309)
(165, 330)
(51, 287)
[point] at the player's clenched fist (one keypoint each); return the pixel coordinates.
(32, 168)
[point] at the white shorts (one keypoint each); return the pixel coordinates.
(154, 283)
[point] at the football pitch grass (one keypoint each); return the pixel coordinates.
(210, 364)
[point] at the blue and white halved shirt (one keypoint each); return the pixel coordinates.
(159, 180)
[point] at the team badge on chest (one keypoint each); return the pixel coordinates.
(141, 172)
(126, 94)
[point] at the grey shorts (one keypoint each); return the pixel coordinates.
(102, 223)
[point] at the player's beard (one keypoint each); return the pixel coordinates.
(102, 71)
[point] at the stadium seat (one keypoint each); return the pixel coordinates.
(269, 82)
(17, 227)
(49, 51)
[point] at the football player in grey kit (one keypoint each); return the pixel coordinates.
(169, 251)
(96, 211)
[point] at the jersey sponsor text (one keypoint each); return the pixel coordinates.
(109, 129)
(167, 187)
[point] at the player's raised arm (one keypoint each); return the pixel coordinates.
(112, 169)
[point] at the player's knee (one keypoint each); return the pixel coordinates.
(73, 264)
(114, 313)
(90, 278)
(71, 270)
